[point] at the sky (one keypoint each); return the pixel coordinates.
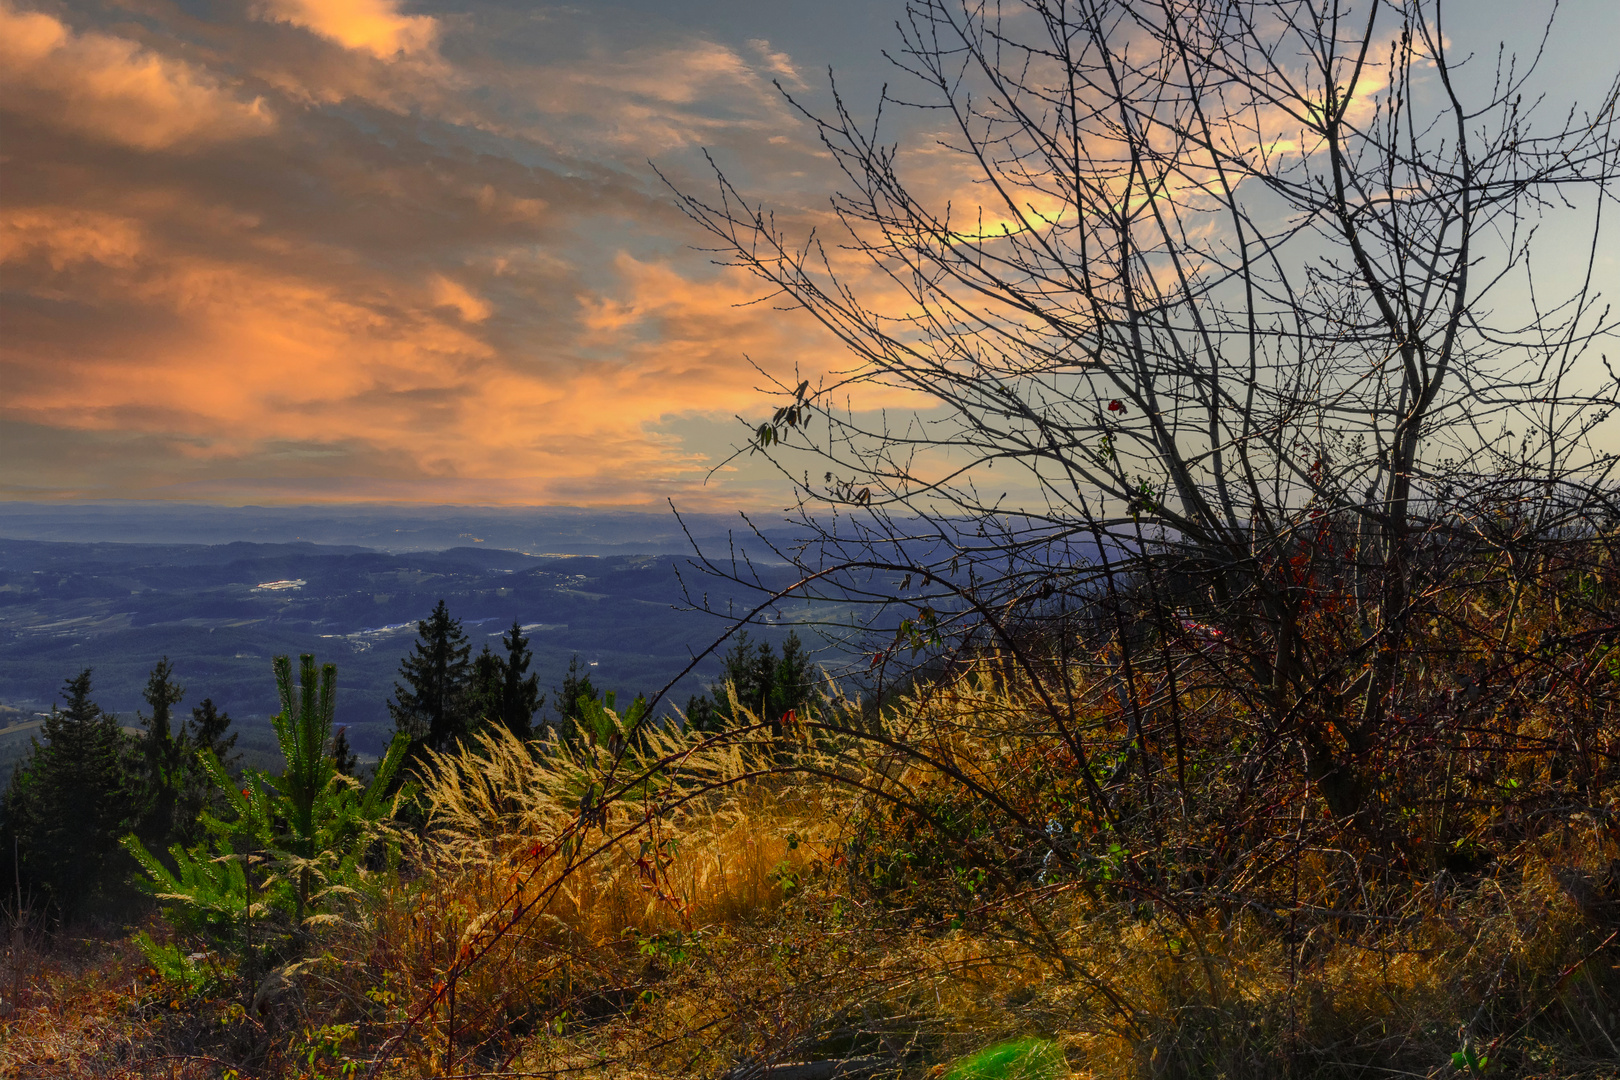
(375, 250)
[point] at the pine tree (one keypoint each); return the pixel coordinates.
(430, 707)
(520, 690)
(164, 758)
(310, 829)
(71, 801)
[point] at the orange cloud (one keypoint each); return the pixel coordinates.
(114, 89)
(777, 62)
(447, 293)
(374, 26)
(420, 292)
(245, 355)
(246, 367)
(66, 238)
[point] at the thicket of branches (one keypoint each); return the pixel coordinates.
(1278, 696)
(1247, 297)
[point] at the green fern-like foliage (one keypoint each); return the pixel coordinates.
(207, 891)
(191, 973)
(1017, 1059)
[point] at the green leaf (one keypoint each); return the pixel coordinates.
(1017, 1059)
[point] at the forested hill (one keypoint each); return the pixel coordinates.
(220, 612)
(381, 527)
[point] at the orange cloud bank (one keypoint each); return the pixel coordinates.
(239, 264)
(375, 26)
(114, 89)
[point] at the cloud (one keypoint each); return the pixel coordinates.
(447, 293)
(426, 278)
(777, 62)
(67, 238)
(114, 89)
(373, 26)
(651, 99)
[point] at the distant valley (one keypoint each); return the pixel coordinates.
(220, 611)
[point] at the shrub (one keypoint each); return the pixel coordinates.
(292, 851)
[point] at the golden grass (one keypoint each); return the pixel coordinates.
(709, 918)
(533, 917)
(678, 904)
(1356, 969)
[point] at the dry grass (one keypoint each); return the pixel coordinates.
(717, 917)
(1141, 1001)
(524, 919)
(84, 1005)
(1180, 905)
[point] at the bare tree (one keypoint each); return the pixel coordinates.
(1246, 294)
(1308, 578)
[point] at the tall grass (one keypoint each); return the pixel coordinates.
(1130, 862)
(555, 883)
(912, 892)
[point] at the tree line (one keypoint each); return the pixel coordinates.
(89, 783)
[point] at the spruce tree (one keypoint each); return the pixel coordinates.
(792, 683)
(701, 714)
(503, 691)
(753, 675)
(766, 685)
(520, 690)
(206, 730)
(164, 758)
(748, 676)
(487, 682)
(576, 685)
(430, 706)
(70, 802)
(712, 711)
(344, 759)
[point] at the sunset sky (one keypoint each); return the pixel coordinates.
(312, 250)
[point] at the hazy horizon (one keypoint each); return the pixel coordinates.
(394, 527)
